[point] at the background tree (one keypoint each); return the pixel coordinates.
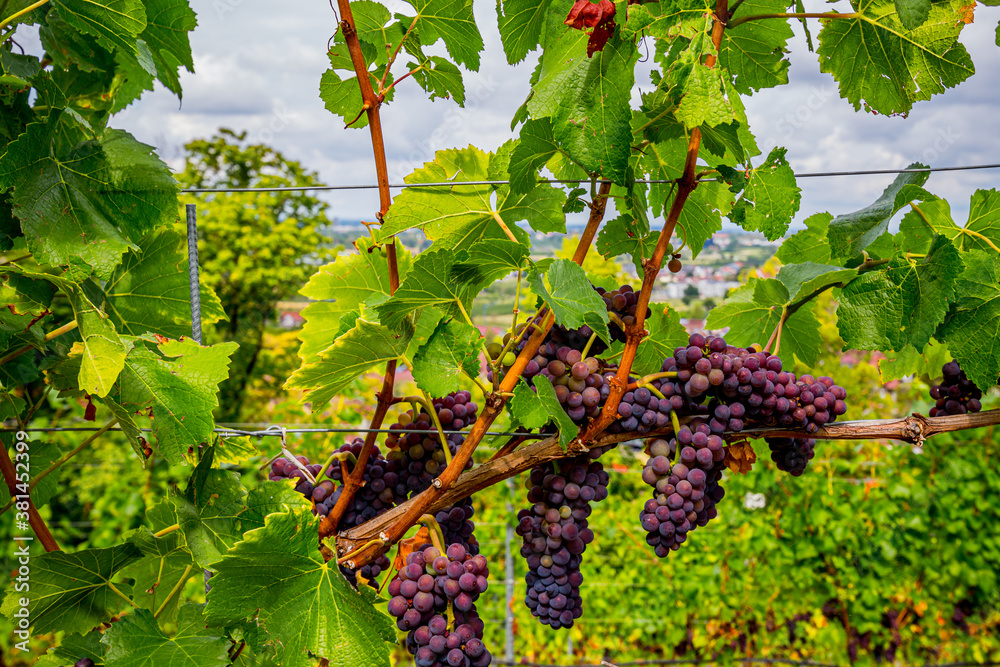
(255, 249)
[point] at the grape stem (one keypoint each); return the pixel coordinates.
(336, 456)
(646, 383)
(66, 328)
(437, 535)
(776, 334)
(795, 15)
(16, 15)
(174, 592)
(425, 400)
(645, 379)
(590, 342)
(167, 530)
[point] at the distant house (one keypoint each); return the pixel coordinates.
(291, 319)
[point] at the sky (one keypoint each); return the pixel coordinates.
(258, 66)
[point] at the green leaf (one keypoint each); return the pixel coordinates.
(137, 641)
(626, 235)
(571, 297)
(358, 351)
(438, 365)
(557, 414)
(456, 217)
(166, 560)
(268, 498)
(899, 66)
(666, 333)
(752, 312)
(535, 147)
(427, 284)
(520, 23)
(700, 89)
(72, 592)
(440, 78)
(908, 361)
(912, 13)
(168, 23)
(90, 205)
(73, 648)
(278, 575)
(126, 422)
(526, 408)
(370, 20)
(851, 233)
(587, 98)
(115, 23)
(342, 96)
(904, 304)
(771, 198)
(179, 380)
(803, 279)
(753, 53)
(453, 22)
(485, 263)
(150, 291)
(971, 331)
(208, 511)
(344, 285)
(102, 350)
(810, 244)
(981, 231)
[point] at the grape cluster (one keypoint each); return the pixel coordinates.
(282, 468)
(419, 600)
(457, 526)
(623, 303)
(417, 458)
(957, 394)
(555, 534)
(684, 493)
(792, 454)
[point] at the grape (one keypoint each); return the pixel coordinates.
(791, 454)
(956, 395)
(84, 662)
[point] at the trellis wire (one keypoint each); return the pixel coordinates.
(275, 431)
(734, 660)
(571, 181)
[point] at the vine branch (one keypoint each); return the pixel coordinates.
(34, 518)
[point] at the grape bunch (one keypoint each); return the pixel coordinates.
(641, 411)
(282, 468)
(417, 458)
(684, 493)
(555, 534)
(457, 526)
(623, 303)
(957, 394)
(792, 454)
(420, 596)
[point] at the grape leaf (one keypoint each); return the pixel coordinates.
(115, 23)
(971, 330)
(485, 263)
(278, 575)
(358, 351)
(626, 235)
(886, 310)
(270, 497)
(587, 98)
(665, 334)
(168, 23)
(126, 422)
(166, 560)
(150, 291)
(981, 231)
(557, 413)
(439, 78)
(879, 62)
(752, 312)
(803, 279)
(438, 365)
(571, 297)
(91, 204)
(526, 408)
(753, 53)
(73, 592)
(810, 244)
(534, 148)
(208, 511)
(341, 287)
(453, 22)
(178, 379)
(102, 351)
(912, 13)
(342, 96)
(905, 362)
(851, 233)
(378, 39)
(427, 284)
(520, 23)
(137, 641)
(696, 89)
(771, 197)
(458, 216)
